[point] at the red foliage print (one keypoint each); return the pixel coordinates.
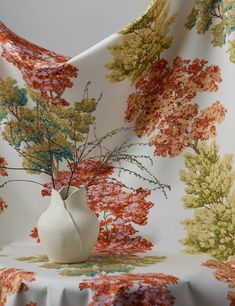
(12, 281)
(115, 290)
(225, 272)
(3, 166)
(163, 103)
(34, 234)
(117, 209)
(44, 71)
(3, 172)
(3, 205)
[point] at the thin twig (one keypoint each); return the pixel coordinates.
(21, 180)
(24, 169)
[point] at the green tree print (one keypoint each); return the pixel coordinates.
(97, 264)
(142, 43)
(209, 181)
(43, 134)
(203, 15)
(231, 50)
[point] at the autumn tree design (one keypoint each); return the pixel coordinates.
(203, 16)
(164, 96)
(141, 43)
(50, 138)
(14, 281)
(210, 191)
(150, 289)
(46, 72)
(118, 210)
(3, 172)
(224, 272)
(164, 107)
(46, 134)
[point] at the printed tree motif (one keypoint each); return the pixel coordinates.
(44, 71)
(163, 107)
(3, 172)
(46, 134)
(209, 181)
(13, 281)
(225, 272)
(116, 290)
(231, 51)
(163, 103)
(49, 136)
(34, 234)
(117, 209)
(141, 43)
(117, 233)
(96, 265)
(3, 205)
(203, 15)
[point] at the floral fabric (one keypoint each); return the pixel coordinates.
(143, 121)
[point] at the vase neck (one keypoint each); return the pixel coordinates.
(65, 192)
(76, 197)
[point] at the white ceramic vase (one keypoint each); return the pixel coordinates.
(68, 229)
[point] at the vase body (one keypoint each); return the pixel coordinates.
(68, 229)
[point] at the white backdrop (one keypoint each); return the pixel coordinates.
(69, 26)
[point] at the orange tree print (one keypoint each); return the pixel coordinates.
(34, 234)
(44, 71)
(163, 102)
(117, 208)
(49, 136)
(3, 172)
(163, 105)
(225, 272)
(163, 108)
(116, 290)
(13, 281)
(46, 136)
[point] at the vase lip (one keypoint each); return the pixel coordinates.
(64, 189)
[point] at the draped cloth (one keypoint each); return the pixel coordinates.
(145, 121)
